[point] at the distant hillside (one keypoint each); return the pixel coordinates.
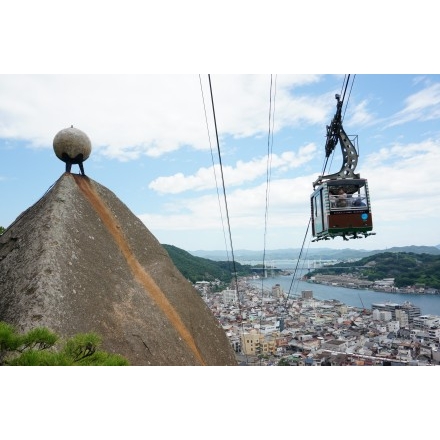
(431, 250)
(421, 265)
(318, 253)
(407, 268)
(203, 269)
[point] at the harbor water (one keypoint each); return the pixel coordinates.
(429, 304)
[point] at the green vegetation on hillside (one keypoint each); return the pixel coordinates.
(202, 269)
(42, 347)
(407, 268)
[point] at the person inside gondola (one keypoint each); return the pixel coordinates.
(341, 201)
(358, 202)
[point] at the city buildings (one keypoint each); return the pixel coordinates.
(267, 328)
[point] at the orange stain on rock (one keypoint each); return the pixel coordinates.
(145, 280)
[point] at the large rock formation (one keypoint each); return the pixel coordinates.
(80, 261)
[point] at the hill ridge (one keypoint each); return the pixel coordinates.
(323, 253)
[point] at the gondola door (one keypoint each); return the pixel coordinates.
(319, 214)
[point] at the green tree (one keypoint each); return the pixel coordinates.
(41, 346)
(203, 269)
(2, 229)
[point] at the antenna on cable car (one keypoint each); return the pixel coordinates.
(340, 202)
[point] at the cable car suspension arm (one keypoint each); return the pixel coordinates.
(335, 133)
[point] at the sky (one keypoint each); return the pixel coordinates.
(154, 144)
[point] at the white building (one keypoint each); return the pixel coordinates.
(382, 315)
(402, 317)
(229, 296)
(393, 326)
(266, 328)
(426, 321)
(385, 283)
(434, 334)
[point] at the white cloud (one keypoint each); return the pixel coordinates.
(242, 103)
(127, 116)
(243, 172)
(405, 191)
(124, 115)
(416, 159)
(246, 207)
(403, 182)
(360, 114)
(423, 105)
(426, 98)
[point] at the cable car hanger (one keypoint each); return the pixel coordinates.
(335, 133)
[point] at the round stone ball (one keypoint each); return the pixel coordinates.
(72, 142)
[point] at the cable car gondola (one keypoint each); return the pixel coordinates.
(340, 202)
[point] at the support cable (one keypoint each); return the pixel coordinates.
(268, 176)
(297, 263)
(268, 169)
(215, 174)
(234, 271)
(223, 184)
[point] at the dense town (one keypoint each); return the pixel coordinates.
(267, 328)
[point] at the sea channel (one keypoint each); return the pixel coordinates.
(293, 286)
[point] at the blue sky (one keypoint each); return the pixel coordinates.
(154, 147)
